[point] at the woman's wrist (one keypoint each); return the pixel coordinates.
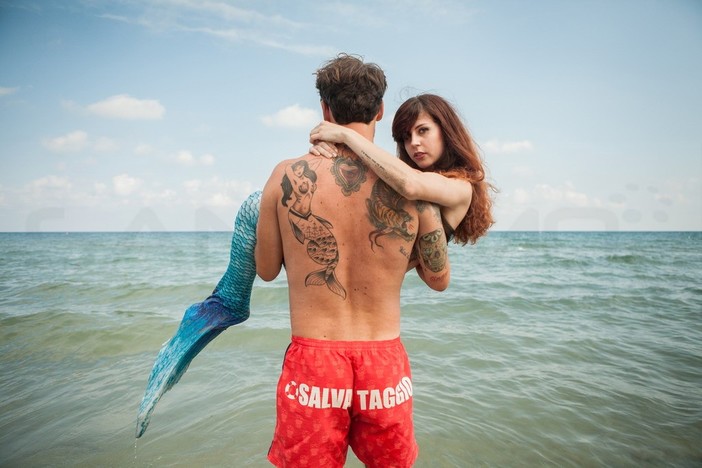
(352, 139)
(346, 136)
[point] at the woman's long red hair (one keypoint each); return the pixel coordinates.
(461, 159)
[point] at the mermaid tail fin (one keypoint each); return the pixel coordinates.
(203, 322)
(324, 277)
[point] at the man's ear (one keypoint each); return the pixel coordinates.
(327, 113)
(379, 116)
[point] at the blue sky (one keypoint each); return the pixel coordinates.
(165, 114)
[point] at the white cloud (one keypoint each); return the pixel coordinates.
(522, 171)
(143, 149)
(99, 188)
(392, 14)
(192, 186)
(227, 22)
(497, 146)
(123, 106)
(124, 184)
(71, 106)
(7, 91)
(231, 13)
(220, 200)
(302, 49)
(79, 140)
(207, 159)
(565, 194)
(69, 143)
(186, 158)
(521, 196)
(54, 190)
(215, 192)
(548, 192)
(355, 14)
(103, 145)
(47, 190)
(51, 182)
(149, 198)
(292, 117)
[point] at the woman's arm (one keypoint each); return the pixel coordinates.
(408, 182)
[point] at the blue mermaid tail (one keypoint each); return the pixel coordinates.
(202, 322)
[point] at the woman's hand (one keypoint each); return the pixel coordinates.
(323, 137)
(329, 132)
(322, 148)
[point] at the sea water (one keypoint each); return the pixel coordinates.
(548, 349)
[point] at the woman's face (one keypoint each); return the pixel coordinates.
(425, 142)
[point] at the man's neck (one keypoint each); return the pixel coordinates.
(365, 130)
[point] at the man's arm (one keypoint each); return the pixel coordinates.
(432, 248)
(269, 245)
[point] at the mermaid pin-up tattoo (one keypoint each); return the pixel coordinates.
(299, 184)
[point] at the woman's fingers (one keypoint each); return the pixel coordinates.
(322, 148)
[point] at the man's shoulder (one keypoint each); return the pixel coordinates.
(288, 161)
(282, 164)
(305, 157)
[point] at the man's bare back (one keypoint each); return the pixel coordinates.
(347, 239)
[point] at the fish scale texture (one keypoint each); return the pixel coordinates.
(235, 286)
(202, 322)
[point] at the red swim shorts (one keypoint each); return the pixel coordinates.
(332, 394)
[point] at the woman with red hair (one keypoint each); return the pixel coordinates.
(438, 162)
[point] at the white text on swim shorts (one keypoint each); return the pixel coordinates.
(371, 399)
